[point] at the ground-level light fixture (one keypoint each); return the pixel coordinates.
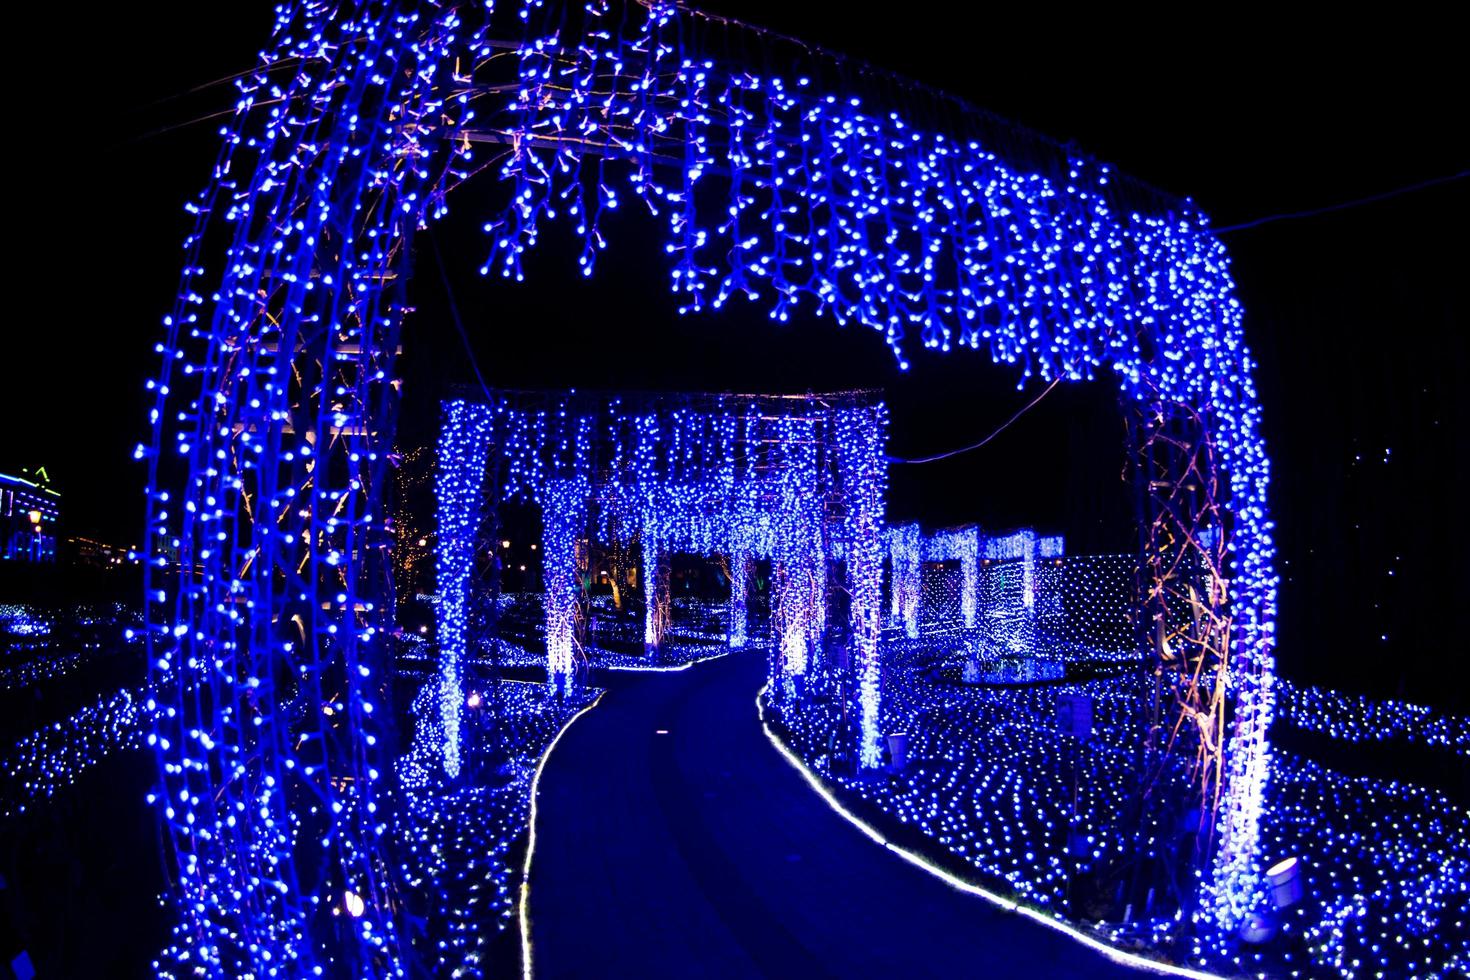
(1285, 878)
(352, 902)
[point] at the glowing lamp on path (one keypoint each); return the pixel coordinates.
(1285, 878)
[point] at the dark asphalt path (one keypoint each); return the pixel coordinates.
(703, 853)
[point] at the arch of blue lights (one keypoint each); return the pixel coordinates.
(269, 586)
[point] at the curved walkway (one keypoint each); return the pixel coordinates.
(703, 853)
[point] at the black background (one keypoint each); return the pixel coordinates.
(1357, 317)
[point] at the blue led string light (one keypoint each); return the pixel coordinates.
(916, 596)
(565, 510)
(961, 545)
(463, 447)
(739, 612)
(904, 541)
(1046, 272)
(272, 429)
(273, 408)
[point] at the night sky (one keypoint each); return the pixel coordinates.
(1357, 317)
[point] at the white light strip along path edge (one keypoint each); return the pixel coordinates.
(1111, 952)
(669, 669)
(525, 904)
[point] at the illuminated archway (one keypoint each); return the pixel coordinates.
(795, 480)
(274, 407)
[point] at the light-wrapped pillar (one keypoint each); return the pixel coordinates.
(904, 546)
(463, 443)
(969, 550)
(865, 477)
(564, 516)
(793, 613)
(656, 595)
(738, 631)
(1028, 571)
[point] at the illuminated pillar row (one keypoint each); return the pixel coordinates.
(565, 517)
(458, 485)
(739, 584)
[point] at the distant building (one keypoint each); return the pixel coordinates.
(29, 513)
(97, 554)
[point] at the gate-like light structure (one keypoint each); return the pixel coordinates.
(797, 480)
(822, 189)
(909, 546)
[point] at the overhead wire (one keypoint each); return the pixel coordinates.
(1356, 202)
(973, 446)
(454, 315)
